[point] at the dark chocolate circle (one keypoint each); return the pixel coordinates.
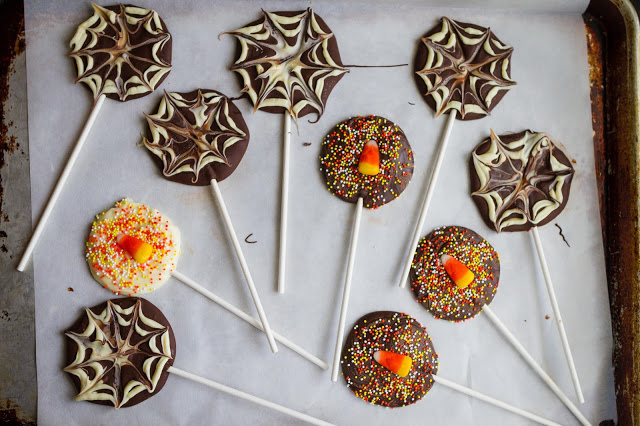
(136, 357)
(181, 147)
(433, 287)
(477, 61)
(340, 154)
(262, 56)
(393, 332)
(140, 57)
(518, 184)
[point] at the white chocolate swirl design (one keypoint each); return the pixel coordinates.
(196, 132)
(116, 339)
(523, 180)
(288, 61)
(463, 67)
(122, 51)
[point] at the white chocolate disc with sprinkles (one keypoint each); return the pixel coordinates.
(118, 267)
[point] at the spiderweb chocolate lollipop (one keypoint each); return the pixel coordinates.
(121, 352)
(196, 137)
(288, 63)
(389, 360)
(199, 138)
(463, 70)
(366, 160)
(455, 276)
(519, 182)
(121, 52)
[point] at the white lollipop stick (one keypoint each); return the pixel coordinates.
(284, 202)
(493, 401)
(353, 245)
(248, 318)
(246, 396)
(529, 359)
(243, 264)
(61, 181)
(556, 313)
(417, 233)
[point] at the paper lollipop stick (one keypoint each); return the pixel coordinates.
(462, 69)
(288, 63)
(248, 397)
(144, 342)
(455, 276)
(389, 360)
(493, 401)
(243, 264)
(121, 52)
(353, 245)
(249, 319)
(534, 365)
(284, 203)
(367, 161)
(556, 313)
(199, 138)
(519, 182)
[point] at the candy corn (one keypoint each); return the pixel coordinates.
(459, 273)
(369, 159)
(396, 363)
(138, 249)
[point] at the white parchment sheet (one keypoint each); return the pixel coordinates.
(552, 95)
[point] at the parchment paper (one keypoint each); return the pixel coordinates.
(552, 95)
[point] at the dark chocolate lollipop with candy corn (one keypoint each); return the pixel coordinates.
(389, 360)
(455, 273)
(367, 161)
(366, 157)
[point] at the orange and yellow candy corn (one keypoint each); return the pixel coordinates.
(138, 249)
(369, 159)
(459, 273)
(396, 363)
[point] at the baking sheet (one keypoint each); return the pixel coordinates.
(552, 95)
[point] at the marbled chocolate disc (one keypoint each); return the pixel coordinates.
(462, 67)
(288, 62)
(118, 352)
(196, 137)
(393, 332)
(433, 285)
(520, 180)
(341, 153)
(123, 51)
(119, 236)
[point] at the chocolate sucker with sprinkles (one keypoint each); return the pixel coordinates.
(340, 159)
(445, 291)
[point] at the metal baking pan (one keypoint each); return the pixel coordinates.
(612, 31)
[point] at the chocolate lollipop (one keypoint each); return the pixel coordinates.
(463, 70)
(121, 352)
(367, 161)
(121, 52)
(199, 138)
(389, 360)
(288, 63)
(455, 276)
(133, 249)
(519, 182)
